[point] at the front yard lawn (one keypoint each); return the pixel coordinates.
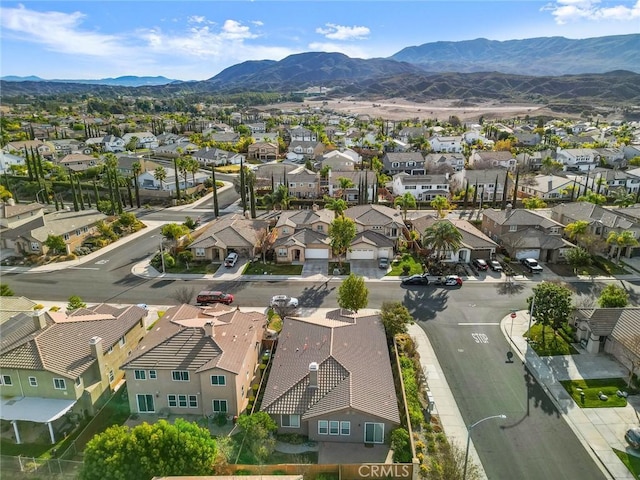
(631, 461)
(259, 268)
(194, 268)
(397, 264)
(591, 389)
(553, 344)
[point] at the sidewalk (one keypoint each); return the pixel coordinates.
(599, 429)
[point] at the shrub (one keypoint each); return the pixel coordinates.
(401, 445)
(420, 446)
(55, 308)
(38, 307)
(406, 268)
(220, 419)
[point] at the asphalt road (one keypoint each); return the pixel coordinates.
(534, 442)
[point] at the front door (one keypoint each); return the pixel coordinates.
(296, 255)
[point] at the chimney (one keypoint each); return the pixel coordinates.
(95, 343)
(208, 329)
(550, 185)
(313, 375)
(508, 210)
(39, 320)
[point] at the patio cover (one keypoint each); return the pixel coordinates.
(34, 409)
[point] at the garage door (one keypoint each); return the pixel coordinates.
(316, 253)
(528, 254)
(362, 255)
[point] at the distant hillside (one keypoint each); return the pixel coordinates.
(125, 81)
(532, 56)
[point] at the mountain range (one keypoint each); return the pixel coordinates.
(603, 70)
(125, 81)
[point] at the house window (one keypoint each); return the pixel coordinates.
(59, 384)
(311, 185)
(282, 252)
(33, 381)
(345, 428)
(145, 403)
(218, 380)
(121, 342)
(513, 228)
(110, 350)
(395, 164)
(374, 433)
(182, 401)
(320, 228)
(140, 374)
(112, 376)
(334, 427)
(66, 236)
(172, 400)
(290, 421)
(292, 184)
(193, 401)
(219, 406)
(78, 381)
(153, 374)
(180, 375)
(323, 427)
(78, 233)
(555, 230)
(410, 187)
(35, 246)
(199, 252)
(5, 380)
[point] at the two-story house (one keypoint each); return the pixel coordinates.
(583, 159)
(217, 156)
(22, 146)
(303, 235)
(489, 185)
(422, 187)
(364, 183)
(481, 159)
(408, 162)
(301, 134)
(108, 143)
(444, 162)
(612, 156)
(144, 139)
(9, 160)
(301, 150)
(338, 161)
(57, 364)
(379, 218)
(263, 151)
(78, 162)
(550, 187)
(196, 360)
(302, 183)
(331, 380)
(526, 234)
(446, 144)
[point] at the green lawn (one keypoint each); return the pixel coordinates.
(259, 268)
(415, 266)
(631, 461)
(552, 345)
(195, 268)
(591, 389)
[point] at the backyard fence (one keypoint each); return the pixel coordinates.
(29, 467)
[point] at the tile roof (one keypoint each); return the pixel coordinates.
(19, 209)
(601, 320)
(179, 341)
(593, 213)
(520, 217)
(373, 214)
(58, 223)
(471, 237)
(627, 329)
(63, 346)
(374, 238)
(354, 368)
(230, 231)
(534, 238)
(10, 306)
(302, 238)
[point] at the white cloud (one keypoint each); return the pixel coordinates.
(341, 32)
(196, 19)
(565, 11)
(234, 30)
(258, 23)
(59, 32)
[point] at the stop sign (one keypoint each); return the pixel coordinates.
(513, 314)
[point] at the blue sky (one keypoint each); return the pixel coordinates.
(195, 40)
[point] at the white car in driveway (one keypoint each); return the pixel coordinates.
(284, 301)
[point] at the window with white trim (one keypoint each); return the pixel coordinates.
(59, 384)
(5, 380)
(33, 381)
(218, 380)
(112, 376)
(323, 427)
(513, 228)
(219, 406)
(180, 375)
(182, 401)
(193, 401)
(199, 251)
(374, 432)
(282, 252)
(65, 236)
(78, 381)
(153, 374)
(35, 247)
(122, 341)
(345, 428)
(140, 374)
(172, 400)
(334, 427)
(290, 421)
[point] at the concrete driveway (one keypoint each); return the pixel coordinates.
(367, 269)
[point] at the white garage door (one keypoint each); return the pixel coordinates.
(528, 254)
(316, 253)
(362, 254)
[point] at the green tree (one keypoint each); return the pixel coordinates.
(441, 237)
(577, 230)
(401, 445)
(551, 305)
(620, 241)
(127, 220)
(5, 290)
(258, 431)
(592, 197)
(149, 450)
(441, 205)
(75, 302)
(395, 318)
(345, 183)
(342, 231)
(337, 205)
(353, 293)
(55, 243)
(533, 203)
(622, 198)
(578, 258)
(174, 232)
(136, 170)
(160, 174)
(405, 202)
(613, 296)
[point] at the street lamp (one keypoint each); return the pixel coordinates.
(469, 429)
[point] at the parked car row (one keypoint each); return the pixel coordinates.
(423, 279)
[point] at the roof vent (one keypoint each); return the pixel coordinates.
(313, 375)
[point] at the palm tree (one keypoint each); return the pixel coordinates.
(577, 230)
(442, 236)
(620, 241)
(136, 169)
(174, 232)
(338, 205)
(160, 174)
(344, 184)
(405, 202)
(282, 197)
(193, 166)
(441, 205)
(622, 198)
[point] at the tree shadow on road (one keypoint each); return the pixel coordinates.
(509, 287)
(425, 302)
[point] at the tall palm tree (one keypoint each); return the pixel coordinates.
(622, 198)
(193, 166)
(443, 236)
(160, 174)
(338, 205)
(620, 241)
(136, 170)
(441, 205)
(344, 184)
(405, 201)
